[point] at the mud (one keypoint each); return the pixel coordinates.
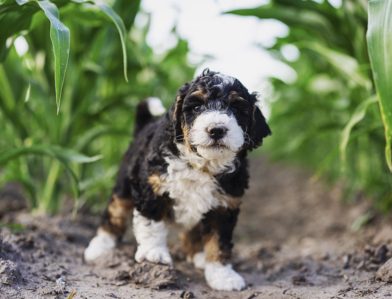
(295, 239)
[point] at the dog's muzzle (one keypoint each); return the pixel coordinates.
(217, 132)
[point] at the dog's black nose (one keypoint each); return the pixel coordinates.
(217, 133)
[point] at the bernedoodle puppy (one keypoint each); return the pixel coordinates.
(189, 167)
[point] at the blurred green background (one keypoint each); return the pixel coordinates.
(67, 104)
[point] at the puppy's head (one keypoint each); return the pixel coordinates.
(215, 115)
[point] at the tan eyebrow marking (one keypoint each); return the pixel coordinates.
(199, 94)
(234, 96)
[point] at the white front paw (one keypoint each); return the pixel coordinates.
(102, 243)
(158, 255)
(223, 277)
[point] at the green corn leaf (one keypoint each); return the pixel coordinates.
(379, 38)
(117, 21)
(357, 117)
(27, 94)
(63, 154)
(97, 180)
(343, 63)
(21, 2)
(96, 132)
(60, 37)
(14, 17)
(293, 17)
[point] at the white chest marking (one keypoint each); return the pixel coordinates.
(194, 192)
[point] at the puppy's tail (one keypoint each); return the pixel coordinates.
(147, 111)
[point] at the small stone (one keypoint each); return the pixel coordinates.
(253, 295)
(346, 261)
(60, 285)
(187, 295)
(384, 273)
(381, 254)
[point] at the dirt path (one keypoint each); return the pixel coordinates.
(293, 240)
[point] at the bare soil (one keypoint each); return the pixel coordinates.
(294, 239)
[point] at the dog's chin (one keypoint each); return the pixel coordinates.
(215, 152)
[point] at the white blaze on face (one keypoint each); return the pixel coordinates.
(230, 143)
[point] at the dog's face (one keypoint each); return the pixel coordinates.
(215, 115)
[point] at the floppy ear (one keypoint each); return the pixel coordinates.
(259, 129)
(177, 113)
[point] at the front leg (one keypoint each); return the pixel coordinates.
(218, 226)
(151, 239)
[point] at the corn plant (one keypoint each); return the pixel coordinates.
(328, 119)
(66, 107)
(380, 49)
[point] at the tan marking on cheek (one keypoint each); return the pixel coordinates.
(155, 182)
(186, 133)
(177, 106)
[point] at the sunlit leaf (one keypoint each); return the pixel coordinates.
(62, 154)
(308, 20)
(59, 34)
(28, 92)
(117, 21)
(93, 133)
(343, 63)
(14, 18)
(357, 116)
(120, 28)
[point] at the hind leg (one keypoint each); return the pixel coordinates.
(192, 245)
(112, 228)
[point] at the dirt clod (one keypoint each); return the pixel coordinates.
(385, 272)
(123, 276)
(153, 276)
(9, 272)
(299, 279)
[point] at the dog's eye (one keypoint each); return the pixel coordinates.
(197, 108)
